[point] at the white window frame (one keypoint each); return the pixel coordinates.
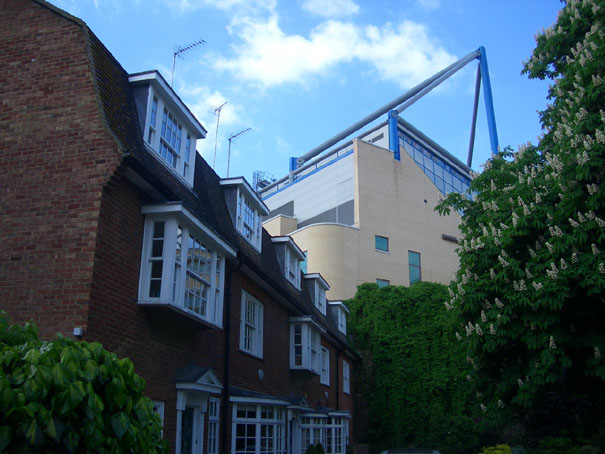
(312, 431)
(258, 426)
(251, 325)
(325, 366)
(251, 231)
(292, 267)
(214, 406)
(336, 435)
(346, 377)
(306, 345)
(183, 166)
(158, 407)
(320, 297)
(174, 275)
(342, 321)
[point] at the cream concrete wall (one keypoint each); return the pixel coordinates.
(280, 225)
(332, 251)
(397, 200)
(389, 201)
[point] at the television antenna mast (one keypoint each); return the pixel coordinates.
(179, 50)
(217, 112)
(231, 138)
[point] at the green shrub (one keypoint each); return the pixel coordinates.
(68, 396)
(498, 449)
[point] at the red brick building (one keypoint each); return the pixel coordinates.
(114, 229)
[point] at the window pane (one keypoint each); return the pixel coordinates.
(382, 282)
(381, 243)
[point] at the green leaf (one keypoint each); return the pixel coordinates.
(120, 423)
(5, 437)
(89, 370)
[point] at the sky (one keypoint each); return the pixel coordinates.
(298, 72)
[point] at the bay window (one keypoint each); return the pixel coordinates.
(258, 429)
(183, 264)
(304, 345)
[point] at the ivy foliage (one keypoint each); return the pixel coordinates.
(67, 396)
(530, 290)
(413, 368)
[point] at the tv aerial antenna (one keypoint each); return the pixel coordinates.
(232, 137)
(217, 111)
(179, 50)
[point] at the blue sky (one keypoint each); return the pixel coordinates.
(298, 72)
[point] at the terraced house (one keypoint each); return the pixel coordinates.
(114, 229)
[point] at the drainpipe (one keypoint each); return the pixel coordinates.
(227, 355)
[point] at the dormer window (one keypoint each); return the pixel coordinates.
(318, 287)
(340, 312)
(169, 129)
(289, 256)
(246, 209)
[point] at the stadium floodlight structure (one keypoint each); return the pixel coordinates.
(399, 104)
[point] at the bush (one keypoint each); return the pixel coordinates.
(68, 396)
(498, 449)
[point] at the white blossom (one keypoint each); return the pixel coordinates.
(520, 382)
(448, 306)
(602, 268)
(580, 217)
(492, 275)
(515, 218)
(597, 352)
(460, 289)
(502, 261)
(600, 222)
(590, 215)
(532, 253)
(551, 343)
(573, 223)
(483, 407)
(458, 336)
(483, 317)
(528, 274)
(594, 248)
(478, 330)
(549, 246)
(469, 378)
(492, 330)
(592, 188)
(563, 264)
(582, 158)
(537, 285)
(499, 303)
(452, 294)
(574, 257)
(500, 403)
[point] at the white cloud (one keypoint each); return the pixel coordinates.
(331, 8)
(267, 55)
(429, 4)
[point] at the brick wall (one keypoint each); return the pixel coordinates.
(56, 157)
(141, 334)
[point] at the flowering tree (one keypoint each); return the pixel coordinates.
(530, 290)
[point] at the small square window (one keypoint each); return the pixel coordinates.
(383, 282)
(381, 243)
(414, 264)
